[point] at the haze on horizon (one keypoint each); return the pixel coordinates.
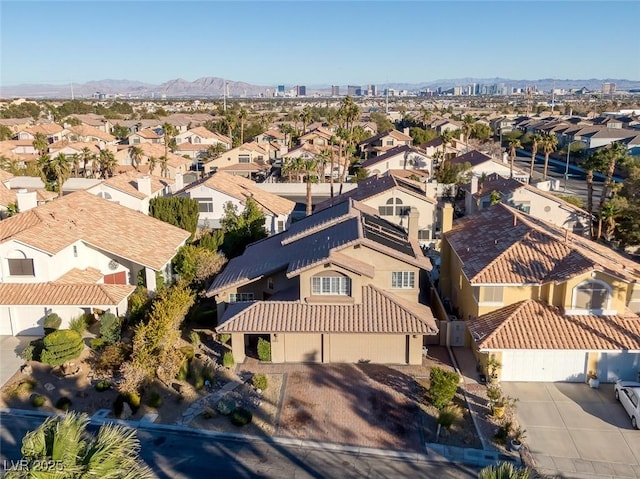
(312, 43)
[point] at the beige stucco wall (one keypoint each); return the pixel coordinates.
(237, 346)
(619, 290)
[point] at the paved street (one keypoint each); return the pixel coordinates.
(188, 454)
(577, 431)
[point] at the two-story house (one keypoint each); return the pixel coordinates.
(548, 304)
(401, 201)
(482, 165)
(382, 142)
(89, 134)
(145, 136)
(248, 159)
(52, 131)
(215, 191)
(197, 141)
(399, 158)
(341, 285)
(78, 254)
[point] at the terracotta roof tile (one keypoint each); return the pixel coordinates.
(81, 216)
(535, 325)
(87, 130)
(50, 294)
(128, 183)
(380, 312)
(75, 275)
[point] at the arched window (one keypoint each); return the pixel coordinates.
(591, 296)
(331, 283)
(393, 207)
(105, 195)
(19, 264)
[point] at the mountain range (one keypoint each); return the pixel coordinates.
(214, 87)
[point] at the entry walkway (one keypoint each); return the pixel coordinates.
(10, 360)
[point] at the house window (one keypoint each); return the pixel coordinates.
(591, 296)
(331, 285)
(280, 226)
(75, 251)
(403, 279)
(491, 294)
(196, 140)
(205, 205)
(424, 235)
(389, 142)
(244, 159)
(392, 207)
(526, 207)
(21, 267)
(136, 141)
(238, 297)
(270, 283)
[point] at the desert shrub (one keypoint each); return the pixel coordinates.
(27, 353)
(448, 415)
(37, 400)
(61, 346)
(259, 381)
(443, 386)
(502, 434)
(226, 406)
(227, 359)
(112, 356)
(64, 403)
(194, 337)
(155, 399)
(209, 373)
(264, 350)
(241, 417)
(102, 386)
(132, 399)
(97, 343)
(224, 338)
(79, 324)
(51, 322)
(188, 352)
(139, 305)
(183, 372)
(33, 351)
(505, 469)
(21, 389)
(197, 375)
(110, 327)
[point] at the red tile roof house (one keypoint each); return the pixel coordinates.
(76, 254)
(341, 285)
(550, 305)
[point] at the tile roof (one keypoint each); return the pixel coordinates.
(75, 275)
(390, 153)
(5, 175)
(148, 133)
(379, 312)
(81, 216)
(376, 185)
(314, 239)
(533, 324)
(128, 183)
(244, 167)
(393, 133)
(241, 188)
(474, 157)
(60, 294)
(45, 129)
(7, 196)
(501, 245)
(87, 130)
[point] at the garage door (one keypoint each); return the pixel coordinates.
(619, 365)
(303, 348)
(376, 348)
(551, 366)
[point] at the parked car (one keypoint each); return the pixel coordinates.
(628, 393)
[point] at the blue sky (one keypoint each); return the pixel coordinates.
(312, 43)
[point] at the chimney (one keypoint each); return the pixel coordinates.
(447, 217)
(474, 184)
(26, 200)
(405, 131)
(414, 216)
(178, 182)
(144, 185)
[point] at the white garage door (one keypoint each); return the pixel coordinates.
(375, 348)
(302, 348)
(548, 365)
(619, 365)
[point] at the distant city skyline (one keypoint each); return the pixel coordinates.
(316, 43)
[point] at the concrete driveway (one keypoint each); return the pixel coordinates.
(10, 360)
(577, 431)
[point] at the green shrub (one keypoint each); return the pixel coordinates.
(61, 346)
(110, 327)
(37, 400)
(188, 352)
(502, 434)
(102, 386)
(155, 400)
(227, 360)
(33, 351)
(224, 338)
(197, 375)
(112, 356)
(209, 373)
(264, 350)
(64, 403)
(443, 386)
(97, 343)
(241, 417)
(448, 415)
(226, 406)
(79, 324)
(139, 305)
(212, 241)
(505, 469)
(183, 372)
(51, 322)
(132, 399)
(194, 337)
(259, 381)
(21, 389)
(27, 353)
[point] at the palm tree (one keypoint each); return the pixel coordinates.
(60, 167)
(309, 168)
(43, 168)
(306, 116)
(426, 115)
(446, 136)
(535, 141)
(467, 127)
(75, 160)
(325, 156)
(169, 132)
(612, 155)
(108, 162)
(287, 131)
(549, 144)
(112, 454)
(288, 167)
(164, 168)
(593, 163)
(40, 143)
(135, 153)
(513, 144)
(153, 161)
(243, 115)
